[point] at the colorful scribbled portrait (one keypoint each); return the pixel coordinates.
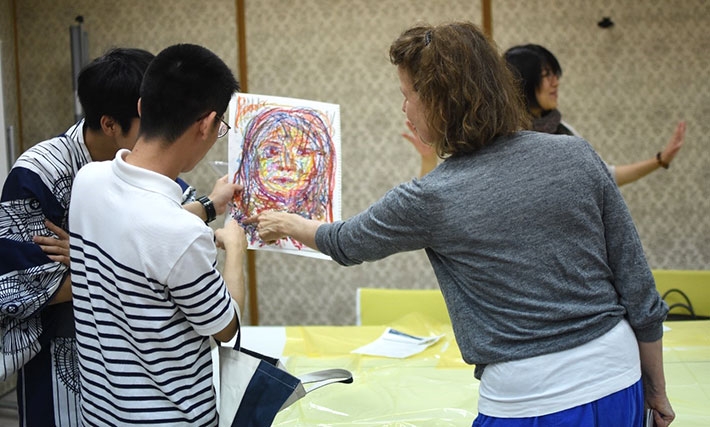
(288, 160)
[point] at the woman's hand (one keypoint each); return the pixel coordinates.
(271, 225)
(424, 149)
(675, 144)
(654, 382)
(663, 413)
(274, 225)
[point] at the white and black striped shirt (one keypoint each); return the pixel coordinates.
(146, 297)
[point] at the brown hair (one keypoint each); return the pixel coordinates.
(469, 93)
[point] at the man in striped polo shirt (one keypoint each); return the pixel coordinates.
(146, 291)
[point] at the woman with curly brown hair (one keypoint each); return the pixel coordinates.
(539, 262)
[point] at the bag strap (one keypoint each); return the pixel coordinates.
(325, 377)
(238, 342)
(319, 378)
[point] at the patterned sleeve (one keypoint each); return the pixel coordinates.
(188, 191)
(28, 278)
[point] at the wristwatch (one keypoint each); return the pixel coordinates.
(209, 208)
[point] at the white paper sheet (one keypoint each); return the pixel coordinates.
(397, 344)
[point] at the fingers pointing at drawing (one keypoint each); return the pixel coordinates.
(275, 225)
(268, 225)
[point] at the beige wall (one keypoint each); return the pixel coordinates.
(9, 87)
(623, 89)
(9, 99)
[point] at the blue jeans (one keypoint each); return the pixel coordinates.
(624, 408)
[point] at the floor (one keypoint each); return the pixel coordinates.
(8, 410)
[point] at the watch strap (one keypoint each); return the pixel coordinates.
(209, 208)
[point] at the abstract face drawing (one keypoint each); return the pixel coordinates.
(288, 163)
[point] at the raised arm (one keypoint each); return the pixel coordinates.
(398, 222)
(634, 171)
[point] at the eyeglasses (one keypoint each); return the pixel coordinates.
(223, 126)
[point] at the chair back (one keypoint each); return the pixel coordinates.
(378, 306)
(682, 288)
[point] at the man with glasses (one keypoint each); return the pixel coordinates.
(147, 293)
(38, 323)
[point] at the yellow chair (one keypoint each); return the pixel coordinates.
(377, 306)
(693, 283)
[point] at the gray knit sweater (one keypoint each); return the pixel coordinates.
(531, 242)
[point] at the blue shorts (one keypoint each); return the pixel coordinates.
(624, 408)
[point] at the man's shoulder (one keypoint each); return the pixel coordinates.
(40, 149)
(93, 169)
(61, 142)
(58, 152)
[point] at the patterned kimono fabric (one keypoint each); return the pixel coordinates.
(37, 338)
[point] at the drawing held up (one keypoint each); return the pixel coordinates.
(286, 154)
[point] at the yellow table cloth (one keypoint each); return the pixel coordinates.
(436, 388)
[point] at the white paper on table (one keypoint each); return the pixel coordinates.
(397, 344)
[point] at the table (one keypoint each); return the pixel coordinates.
(435, 387)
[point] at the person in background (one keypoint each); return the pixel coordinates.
(540, 265)
(37, 317)
(538, 73)
(146, 291)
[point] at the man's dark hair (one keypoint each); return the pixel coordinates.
(110, 86)
(184, 83)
